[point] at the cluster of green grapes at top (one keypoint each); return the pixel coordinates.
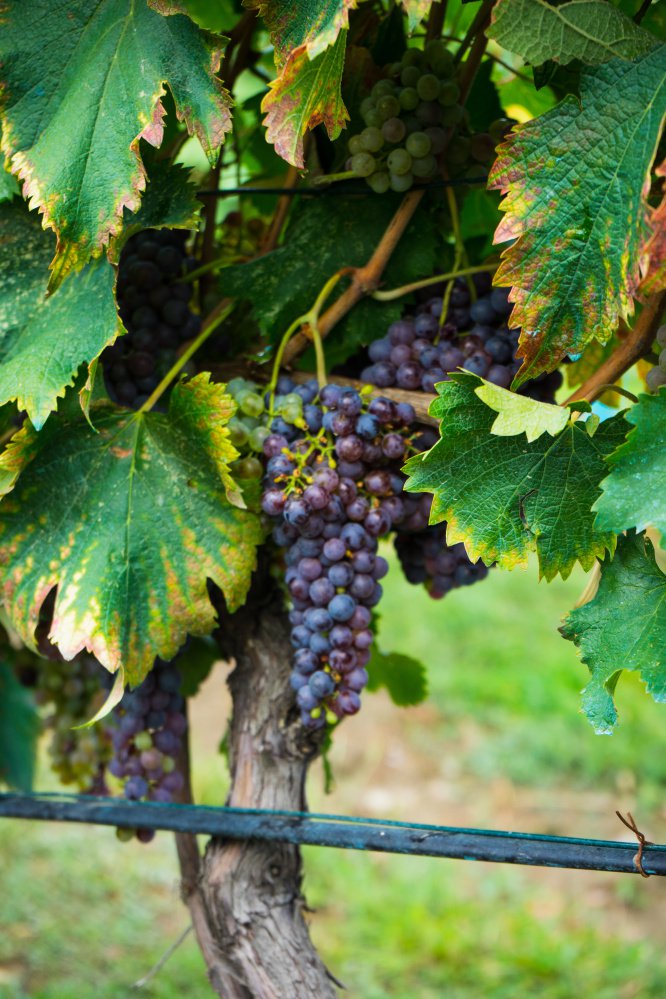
(408, 118)
(656, 377)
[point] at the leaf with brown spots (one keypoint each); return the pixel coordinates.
(81, 83)
(128, 523)
(655, 250)
(576, 181)
(306, 94)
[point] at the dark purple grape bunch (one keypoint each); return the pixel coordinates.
(426, 558)
(418, 351)
(150, 727)
(154, 305)
(333, 486)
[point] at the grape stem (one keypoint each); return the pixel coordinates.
(631, 349)
(406, 289)
(221, 312)
(329, 178)
(476, 28)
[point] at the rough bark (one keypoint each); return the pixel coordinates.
(246, 903)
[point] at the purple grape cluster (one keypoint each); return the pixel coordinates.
(334, 487)
(151, 724)
(417, 352)
(154, 306)
(426, 558)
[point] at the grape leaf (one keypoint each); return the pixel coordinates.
(518, 414)
(305, 94)
(593, 31)
(8, 184)
(211, 15)
(128, 523)
(81, 84)
(19, 729)
(416, 10)
(634, 494)
(404, 678)
(312, 25)
(655, 250)
(504, 497)
(44, 340)
(575, 186)
(623, 627)
(169, 202)
(283, 284)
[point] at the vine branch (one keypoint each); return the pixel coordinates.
(636, 344)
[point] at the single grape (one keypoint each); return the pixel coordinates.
(371, 141)
(418, 144)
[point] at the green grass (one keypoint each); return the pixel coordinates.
(84, 916)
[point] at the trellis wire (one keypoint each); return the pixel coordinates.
(342, 832)
(347, 188)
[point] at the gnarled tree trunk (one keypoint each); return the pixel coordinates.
(245, 897)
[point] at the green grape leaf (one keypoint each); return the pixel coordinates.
(169, 202)
(9, 187)
(404, 678)
(575, 182)
(44, 340)
(504, 497)
(217, 16)
(305, 94)
(623, 627)
(195, 663)
(593, 31)
(283, 284)
(518, 414)
(81, 84)
(128, 523)
(416, 10)
(19, 729)
(312, 25)
(634, 494)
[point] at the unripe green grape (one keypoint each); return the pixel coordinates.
(399, 161)
(372, 119)
(371, 140)
(383, 88)
(237, 385)
(363, 164)
(412, 57)
(388, 107)
(428, 87)
(249, 468)
(143, 740)
(409, 77)
(393, 130)
(291, 399)
(424, 166)
(168, 765)
(499, 128)
(449, 93)
(354, 145)
(379, 182)
(257, 438)
(661, 336)
(367, 104)
(238, 433)
(439, 59)
(251, 403)
(292, 414)
(124, 835)
(453, 115)
(482, 148)
(418, 144)
(401, 182)
(408, 98)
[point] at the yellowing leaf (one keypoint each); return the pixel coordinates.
(314, 24)
(575, 182)
(416, 10)
(128, 523)
(655, 249)
(306, 94)
(81, 83)
(518, 414)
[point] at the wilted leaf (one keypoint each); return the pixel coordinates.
(128, 523)
(44, 341)
(623, 627)
(504, 497)
(634, 494)
(81, 84)
(593, 31)
(575, 184)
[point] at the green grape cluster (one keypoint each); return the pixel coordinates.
(74, 691)
(407, 118)
(247, 428)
